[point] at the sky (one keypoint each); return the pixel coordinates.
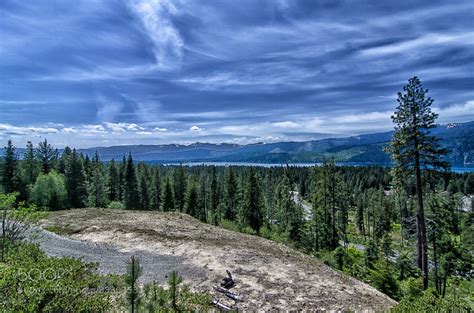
(88, 73)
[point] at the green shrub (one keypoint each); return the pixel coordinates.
(118, 205)
(430, 301)
(383, 279)
(33, 282)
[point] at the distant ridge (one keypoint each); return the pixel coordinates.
(458, 138)
(368, 148)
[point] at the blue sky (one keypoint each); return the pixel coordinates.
(92, 73)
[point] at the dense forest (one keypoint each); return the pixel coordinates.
(364, 221)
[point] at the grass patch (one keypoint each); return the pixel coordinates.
(60, 230)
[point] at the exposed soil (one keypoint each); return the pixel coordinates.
(268, 276)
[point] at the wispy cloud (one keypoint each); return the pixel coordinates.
(422, 42)
(148, 71)
(155, 18)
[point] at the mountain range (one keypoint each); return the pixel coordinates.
(368, 148)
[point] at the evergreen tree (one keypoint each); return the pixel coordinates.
(97, 185)
(29, 166)
(75, 181)
(156, 190)
(202, 202)
(144, 187)
(173, 282)
(113, 182)
(296, 223)
(179, 184)
(413, 150)
(122, 169)
(284, 202)
(214, 199)
(9, 169)
(62, 163)
(328, 200)
(360, 214)
(134, 271)
(131, 200)
(230, 210)
(167, 203)
(469, 185)
(251, 204)
(191, 202)
(47, 156)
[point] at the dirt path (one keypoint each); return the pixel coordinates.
(113, 260)
(268, 276)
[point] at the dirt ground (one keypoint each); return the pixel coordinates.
(268, 276)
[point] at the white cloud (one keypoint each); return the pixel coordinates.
(145, 133)
(158, 129)
(421, 42)
(107, 109)
(195, 128)
(459, 112)
(12, 130)
(155, 18)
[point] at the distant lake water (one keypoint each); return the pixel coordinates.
(456, 169)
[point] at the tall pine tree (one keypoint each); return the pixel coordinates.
(414, 149)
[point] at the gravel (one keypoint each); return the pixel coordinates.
(112, 260)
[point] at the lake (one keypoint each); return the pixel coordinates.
(456, 169)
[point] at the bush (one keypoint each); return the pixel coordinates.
(383, 279)
(118, 205)
(411, 288)
(34, 282)
(49, 191)
(430, 301)
(16, 221)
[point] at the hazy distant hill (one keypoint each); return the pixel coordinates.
(458, 138)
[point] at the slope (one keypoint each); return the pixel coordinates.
(269, 276)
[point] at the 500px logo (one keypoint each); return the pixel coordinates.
(36, 275)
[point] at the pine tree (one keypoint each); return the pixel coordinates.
(251, 204)
(62, 163)
(47, 156)
(130, 185)
(30, 167)
(167, 203)
(413, 150)
(214, 199)
(284, 202)
(296, 223)
(134, 271)
(360, 215)
(75, 181)
(179, 184)
(328, 201)
(144, 187)
(122, 169)
(191, 201)
(202, 202)
(230, 211)
(9, 169)
(97, 185)
(156, 190)
(173, 282)
(113, 182)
